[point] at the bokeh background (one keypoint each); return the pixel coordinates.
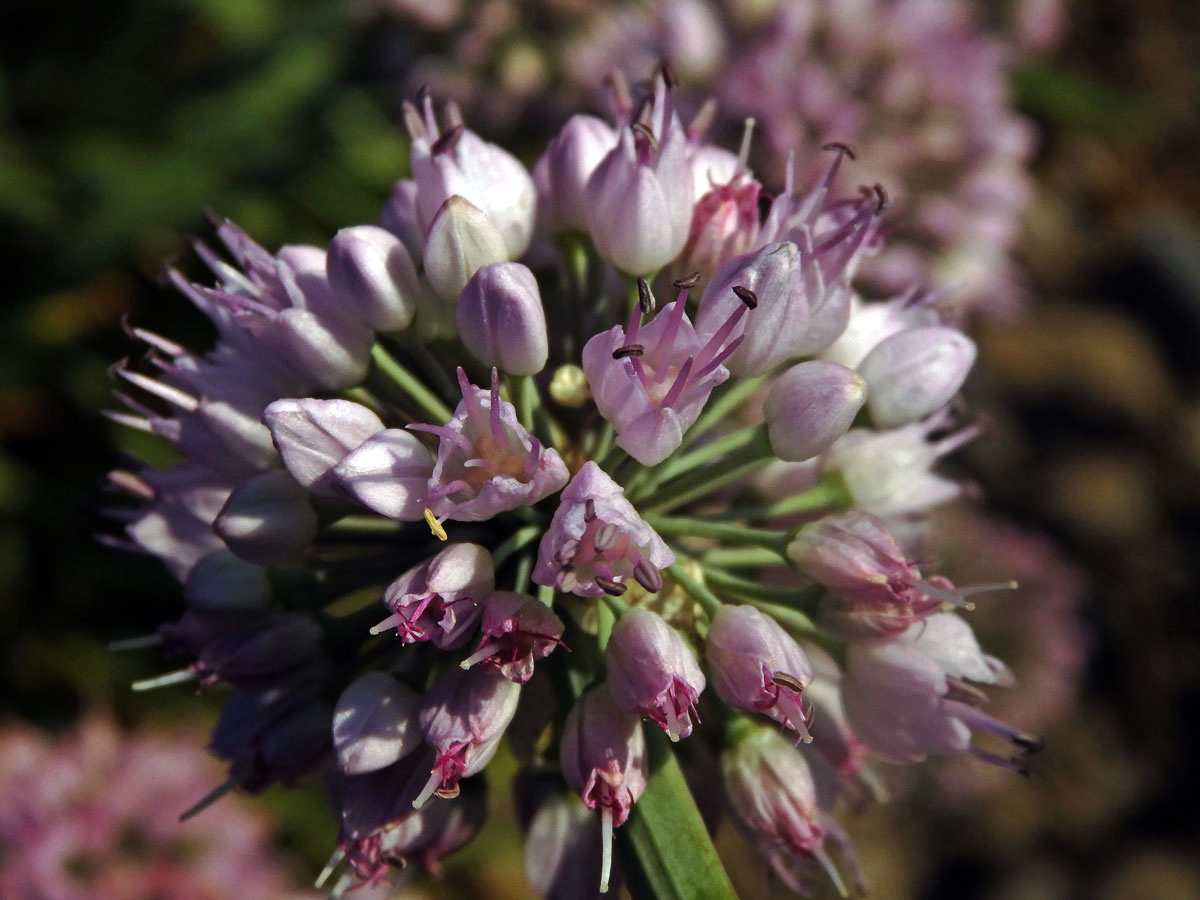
(121, 123)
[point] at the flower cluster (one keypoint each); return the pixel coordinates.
(460, 475)
(96, 814)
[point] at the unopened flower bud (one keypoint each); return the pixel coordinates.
(562, 172)
(603, 759)
(562, 850)
(915, 372)
(757, 667)
(389, 473)
(810, 406)
(268, 519)
(371, 272)
(313, 436)
(516, 630)
(463, 717)
(652, 672)
(597, 541)
(773, 330)
(221, 584)
(375, 723)
(399, 216)
(440, 599)
(333, 354)
(262, 654)
(501, 320)
(461, 238)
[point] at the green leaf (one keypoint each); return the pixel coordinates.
(665, 850)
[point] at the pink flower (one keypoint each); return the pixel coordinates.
(517, 629)
(439, 600)
(652, 672)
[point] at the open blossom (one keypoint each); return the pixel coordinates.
(652, 381)
(516, 630)
(487, 462)
(440, 600)
(597, 541)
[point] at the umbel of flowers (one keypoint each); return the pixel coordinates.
(462, 475)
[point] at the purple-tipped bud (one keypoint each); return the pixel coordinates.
(461, 239)
(597, 541)
(221, 584)
(562, 172)
(313, 436)
(603, 759)
(773, 332)
(371, 272)
(268, 520)
(456, 161)
(399, 216)
(810, 406)
(652, 381)
(639, 199)
(463, 717)
(440, 600)
(757, 667)
(915, 373)
(876, 590)
(501, 320)
(487, 462)
(908, 696)
(562, 850)
(389, 473)
(375, 723)
(516, 630)
(653, 672)
(772, 792)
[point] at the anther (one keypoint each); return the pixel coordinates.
(448, 141)
(1029, 743)
(628, 350)
(434, 525)
(668, 74)
(645, 297)
(612, 588)
(839, 147)
(690, 282)
(648, 577)
(746, 295)
(644, 130)
(589, 510)
(783, 679)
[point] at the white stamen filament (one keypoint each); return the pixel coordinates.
(606, 838)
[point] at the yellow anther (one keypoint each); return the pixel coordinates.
(434, 525)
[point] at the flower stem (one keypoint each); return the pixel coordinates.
(413, 387)
(518, 539)
(684, 463)
(698, 591)
(830, 491)
(801, 626)
(524, 394)
(741, 557)
(727, 532)
(802, 599)
(729, 399)
(732, 468)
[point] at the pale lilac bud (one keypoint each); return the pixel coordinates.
(639, 199)
(262, 654)
(501, 320)
(872, 323)
(652, 381)
(876, 589)
(268, 519)
(375, 723)
(597, 541)
(832, 735)
(487, 462)
(270, 736)
(603, 759)
(773, 332)
(334, 354)
(457, 161)
(221, 584)
(563, 170)
(915, 373)
(757, 667)
(440, 599)
(888, 473)
(810, 406)
(772, 792)
(313, 436)
(389, 473)
(516, 630)
(906, 697)
(562, 850)
(463, 717)
(461, 239)
(713, 167)
(399, 216)
(652, 672)
(371, 272)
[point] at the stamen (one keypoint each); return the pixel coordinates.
(668, 74)
(1004, 762)
(681, 382)
(606, 839)
(158, 342)
(840, 148)
(127, 420)
(448, 141)
(497, 429)
(702, 120)
(612, 588)
(645, 297)
(744, 150)
(434, 525)
(746, 295)
(647, 134)
(136, 643)
(783, 679)
(672, 721)
(589, 510)
(479, 655)
(392, 621)
(835, 876)
(209, 799)
(435, 779)
(166, 392)
(881, 198)
(629, 350)
(334, 861)
(179, 676)
(452, 114)
(605, 538)
(647, 576)
(412, 121)
(444, 432)
(685, 283)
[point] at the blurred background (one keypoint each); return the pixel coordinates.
(122, 123)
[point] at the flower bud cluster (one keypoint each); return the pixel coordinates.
(400, 538)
